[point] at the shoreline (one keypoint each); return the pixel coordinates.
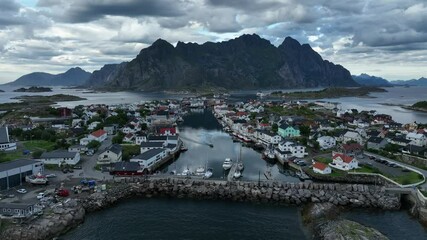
(73, 212)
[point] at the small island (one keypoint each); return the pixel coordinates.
(34, 89)
(333, 92)
(418, 106)
(1, 90)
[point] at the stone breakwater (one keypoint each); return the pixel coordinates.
(353, 195)
(62, 218)
(57, 221)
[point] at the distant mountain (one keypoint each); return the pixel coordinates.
(372, 81)
(413, 82)
(72, 77)
(247, 62)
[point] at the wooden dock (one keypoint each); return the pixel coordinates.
(231, 172)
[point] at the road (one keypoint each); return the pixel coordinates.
(89, 163)
(424, 172)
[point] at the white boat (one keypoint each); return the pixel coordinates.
(208, 173)
(237, 174)
(200, 171)
(186, 172)
(227, 164)
(38, 179)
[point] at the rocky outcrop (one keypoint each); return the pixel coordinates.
(246, 62)
(106, 74)
(350, 178)
(347, 230)
(58, 221)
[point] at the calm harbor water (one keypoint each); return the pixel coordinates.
(164, 218)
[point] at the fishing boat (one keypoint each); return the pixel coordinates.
(208, 173)
(200, 171)
(237, 174)
(186, 172)
(183, 148)
(227, 164)
(37, 179)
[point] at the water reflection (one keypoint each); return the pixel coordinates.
(200, 129)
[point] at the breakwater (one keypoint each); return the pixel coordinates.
(66, 216)
(354, 195)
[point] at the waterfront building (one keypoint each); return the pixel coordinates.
(13, 173)
(286, 131)
(5, 143)
(60, 157)
(148, 158)
(17, 210)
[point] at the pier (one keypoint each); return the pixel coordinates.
(231, 172)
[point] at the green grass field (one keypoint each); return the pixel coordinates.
(34, 145)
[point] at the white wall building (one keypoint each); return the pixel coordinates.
(60, 157)
(326, 142)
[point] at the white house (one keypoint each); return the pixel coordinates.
(99, 135)
(60, 157)
(111, 155)
(296, 150)
(352, 136)
(417, 139)
(321, 168)
(148, 158)
(326, 142)
(268, 137)
(146, 146)
(344, 162)
(93, 125)
(139, 138)
(78, 148)
(5, 144)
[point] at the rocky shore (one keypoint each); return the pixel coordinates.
(72, 213)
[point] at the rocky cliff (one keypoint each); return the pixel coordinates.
(247, 62)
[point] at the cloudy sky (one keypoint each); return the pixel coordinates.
(386, 38)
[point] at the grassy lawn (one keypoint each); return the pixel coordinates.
(424, 192)
(130, 151)
(29, 145)
(408, 178)
(39, 145)
(367, 169)
(324, 160)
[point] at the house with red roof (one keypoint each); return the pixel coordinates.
(99, 135)
(321, 168)
(167, 131)
(343, 162)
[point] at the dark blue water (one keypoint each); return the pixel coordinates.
(189, 219)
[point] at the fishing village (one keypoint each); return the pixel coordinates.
(56, 168)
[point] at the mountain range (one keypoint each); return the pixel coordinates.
(246, 62)
(372, 81)
(73, 77)
(413, 82)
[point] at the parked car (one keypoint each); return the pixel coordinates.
(41, 195)
(64, 170)
(77, 167)
(371, 157)
(22, 191)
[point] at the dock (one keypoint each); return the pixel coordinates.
(231, 172)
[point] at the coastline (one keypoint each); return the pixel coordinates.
(72, 212)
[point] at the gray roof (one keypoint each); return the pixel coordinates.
(172, 137)
(58, 154)
(4, 136)
(16, 164)
(15, 205)
(171, 146)
(115, 148)
(377, 140)
(126, 166)
(152, 144)
(149, 154)
(157, 138)
(267, 132)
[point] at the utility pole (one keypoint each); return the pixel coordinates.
(259, 178)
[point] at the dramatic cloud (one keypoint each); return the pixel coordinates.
(383, 37)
